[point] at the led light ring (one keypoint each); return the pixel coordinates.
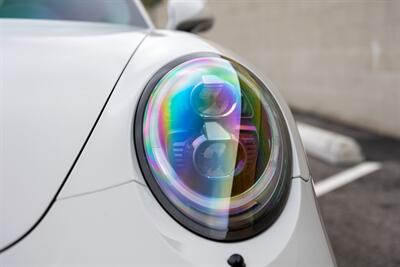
(175, 190)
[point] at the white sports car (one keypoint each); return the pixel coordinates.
(126, 145)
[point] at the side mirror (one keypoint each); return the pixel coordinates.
(188, 16)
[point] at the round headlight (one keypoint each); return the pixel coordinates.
(213, 147)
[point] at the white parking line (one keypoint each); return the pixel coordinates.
(340, 179)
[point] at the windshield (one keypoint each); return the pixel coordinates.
(124, 12)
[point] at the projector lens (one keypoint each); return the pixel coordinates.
(213, 146)
(214, 97)
(219, 159)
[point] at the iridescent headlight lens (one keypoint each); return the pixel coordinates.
(214, 147)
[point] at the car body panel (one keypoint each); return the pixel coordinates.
(55, 78)
(126, 226)
(106, 215)
(115, 129)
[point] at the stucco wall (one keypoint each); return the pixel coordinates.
(340, 59)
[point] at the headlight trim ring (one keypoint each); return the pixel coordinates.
(270, 212)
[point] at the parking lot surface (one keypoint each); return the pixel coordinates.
(362, 218)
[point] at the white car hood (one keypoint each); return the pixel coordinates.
(55, 78)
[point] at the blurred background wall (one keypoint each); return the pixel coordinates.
(338, 59)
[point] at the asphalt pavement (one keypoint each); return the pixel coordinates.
(362, 218)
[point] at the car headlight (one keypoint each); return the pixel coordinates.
(213, 147)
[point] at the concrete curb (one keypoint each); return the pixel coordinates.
(329, 146)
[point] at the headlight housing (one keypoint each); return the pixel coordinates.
(213, 147)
